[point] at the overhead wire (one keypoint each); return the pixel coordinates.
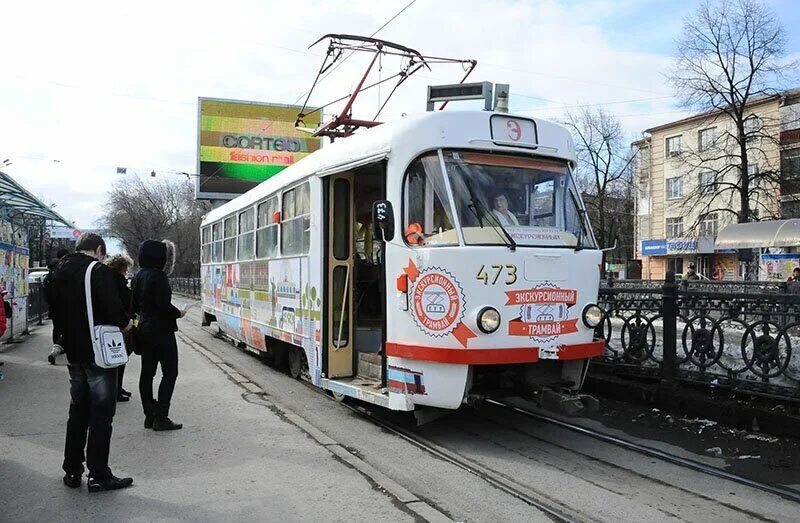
(343, 60)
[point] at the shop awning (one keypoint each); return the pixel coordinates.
(753, 235)
(15, 198)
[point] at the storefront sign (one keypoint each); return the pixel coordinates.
(654, 247)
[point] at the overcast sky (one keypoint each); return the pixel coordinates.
(84, 89)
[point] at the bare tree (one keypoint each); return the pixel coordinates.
(604, 175)
(137, 210)
(730, 55)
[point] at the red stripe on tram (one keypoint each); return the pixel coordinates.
(491, 356)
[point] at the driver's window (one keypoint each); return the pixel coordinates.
(428, 219)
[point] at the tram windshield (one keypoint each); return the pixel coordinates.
(513, 200)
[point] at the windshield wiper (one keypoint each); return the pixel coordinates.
(477, 207)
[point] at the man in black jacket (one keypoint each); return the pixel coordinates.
(152, 301)
(47, 284)
(93, 389)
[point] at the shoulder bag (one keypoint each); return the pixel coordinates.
(107, 340)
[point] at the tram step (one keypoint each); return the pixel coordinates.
(368, 368)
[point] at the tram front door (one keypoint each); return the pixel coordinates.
(340, 268)
(355, 309)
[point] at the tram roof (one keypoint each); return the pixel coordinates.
(406, 137)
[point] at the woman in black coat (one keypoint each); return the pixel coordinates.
(152, 301)
(121, 264)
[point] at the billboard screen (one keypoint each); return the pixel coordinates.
(241, 144)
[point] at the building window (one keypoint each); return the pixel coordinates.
(707, 180)
(752, 128)
(229, 241)
(790, 209)
(267, 233)
(708, 225)
(674, 227)
(674, 188)
(790, 164)
(706, 138)
(216, 245)
(246, 227)
(296, 221)
(674, 145)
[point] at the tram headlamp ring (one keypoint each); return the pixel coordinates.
(488, 320)
(592, 315)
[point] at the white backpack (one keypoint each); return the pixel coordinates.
(107, 340)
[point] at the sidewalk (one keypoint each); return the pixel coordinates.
(234, 460)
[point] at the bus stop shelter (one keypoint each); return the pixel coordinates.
(759, 235)
(21, 213)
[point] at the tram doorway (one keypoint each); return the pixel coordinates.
(356, 281)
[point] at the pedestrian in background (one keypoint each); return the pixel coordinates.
(57, 349)
(795, 275)
(3, 318)
(120, 264)
(152, 301)
(93, 389)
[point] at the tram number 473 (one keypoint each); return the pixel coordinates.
(496, 270)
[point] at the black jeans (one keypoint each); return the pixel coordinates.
(94, 401)
(159, 349)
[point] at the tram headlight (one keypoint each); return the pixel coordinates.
(592, 315)
(488, 320)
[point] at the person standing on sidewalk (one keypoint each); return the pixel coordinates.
(152, 301)
(47, 283)
(3, 319)
(93, 389)
(120, 264)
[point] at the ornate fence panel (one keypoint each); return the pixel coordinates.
(739, 335)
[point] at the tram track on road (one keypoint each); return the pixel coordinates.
(784, 492)
(551, 508)
(555, 510)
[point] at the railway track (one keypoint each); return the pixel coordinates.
(551, 508)
(784, 492)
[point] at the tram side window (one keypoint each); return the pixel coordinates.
(229, 249)
(267, 233)
(216, 245)
(296, 221)
(428, 218)
(205, 241)
(247, 224)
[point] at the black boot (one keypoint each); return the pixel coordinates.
(149, 408)
(108, 483)
(162, 421)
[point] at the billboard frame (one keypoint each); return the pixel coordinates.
(198, 193)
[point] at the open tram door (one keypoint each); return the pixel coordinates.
(355, 304)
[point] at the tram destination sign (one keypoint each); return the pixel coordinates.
(240, 144)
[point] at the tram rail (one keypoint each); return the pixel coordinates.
(784, 492)
(553, 509)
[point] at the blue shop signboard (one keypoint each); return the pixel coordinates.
(654, 247)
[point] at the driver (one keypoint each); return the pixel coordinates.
(501, 211)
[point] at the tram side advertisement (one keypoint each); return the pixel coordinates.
(241, 144)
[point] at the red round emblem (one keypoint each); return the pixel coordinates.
(437, 303)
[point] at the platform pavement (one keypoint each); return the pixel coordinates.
(234, 460)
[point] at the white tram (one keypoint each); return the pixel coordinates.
(424, 262)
